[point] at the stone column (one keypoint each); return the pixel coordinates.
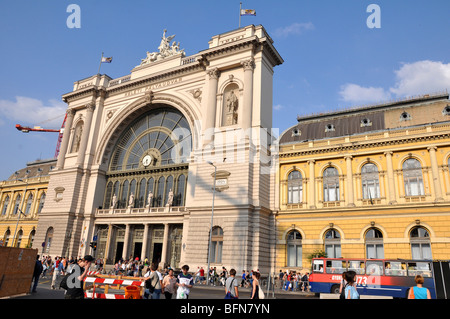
(86, 130)
(435, 174)
(108, 244)
(144, 242)
(65, 139)
(126, 242)
(391, 182)
(210, 122)
(350, 196)
(248, 66)
(165, 246)
(312, 185)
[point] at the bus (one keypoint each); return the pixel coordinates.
(380, 277)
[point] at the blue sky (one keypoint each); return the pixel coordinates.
(333, 60)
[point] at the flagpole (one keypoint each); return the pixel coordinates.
(240, 10)
(100, 64)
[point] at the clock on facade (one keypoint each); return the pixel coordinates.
(146, 161)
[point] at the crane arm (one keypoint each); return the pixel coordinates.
(26, 129)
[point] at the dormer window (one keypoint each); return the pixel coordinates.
(366, 122)
(446, 110)
(330, 128)
(296, 132)
(405, 116)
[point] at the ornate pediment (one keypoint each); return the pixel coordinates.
(165, 50)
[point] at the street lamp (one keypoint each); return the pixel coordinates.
(19, 209)
(212, 217)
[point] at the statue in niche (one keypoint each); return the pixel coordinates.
(77, 138)
(231, 109)
(170, 198)
(114, 201)
(131, 201)
(149, 199)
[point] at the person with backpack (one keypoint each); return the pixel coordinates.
(231, 286)
(350, 290)
(73, 281)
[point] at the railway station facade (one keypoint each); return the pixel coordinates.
(140, 155)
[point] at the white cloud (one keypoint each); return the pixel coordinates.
(277, 107)
(30, 111)
(293, 29)
(411, 79)
(421, 77)
(358, 94)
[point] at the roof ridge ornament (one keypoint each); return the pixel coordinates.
(165, 50)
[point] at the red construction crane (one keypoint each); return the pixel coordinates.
(26, 129)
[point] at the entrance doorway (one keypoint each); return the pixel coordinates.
(119, 251)
(157, 251)
(137, 251)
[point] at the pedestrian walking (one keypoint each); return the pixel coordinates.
(231, 286)
(56, 273)
(419, 291)
(153, 280)
(75, 280)
(38, 268)
(350, 288)
(256, 293)
(169, 285)
(184, 282)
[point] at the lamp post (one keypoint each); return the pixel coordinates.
(212, 217)
(19, 209)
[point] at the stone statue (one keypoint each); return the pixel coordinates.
(77, 139)
(165, 50)
(149, 199)
(232, 107)
(131, 201)
(114, 201)
(170, 198)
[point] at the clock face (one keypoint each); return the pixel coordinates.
(146, 161)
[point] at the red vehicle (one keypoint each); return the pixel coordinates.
(382, 277)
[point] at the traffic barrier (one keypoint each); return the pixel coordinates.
(133, 288)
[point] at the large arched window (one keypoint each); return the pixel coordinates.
(420, 243)
(153, 151)
(294, 249)
(330, 185)
(370, 181)
(41, 203)
(48, 240)
(216, 245)
(17, 204)
(29, 203)
(5, 205)
(332, 242)
(412, 177)
(374, 244)
(6, 238)
(295, 187)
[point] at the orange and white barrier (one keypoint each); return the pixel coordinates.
(107, 282)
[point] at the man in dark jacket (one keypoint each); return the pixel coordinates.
(76, 278)
(37, 273)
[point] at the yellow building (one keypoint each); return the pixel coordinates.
(368, 182)
(22, 198)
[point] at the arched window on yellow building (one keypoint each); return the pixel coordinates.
(412, 177)
(374, 244)
(294, 249)
(332, 243)
(370, 181)
(331, 185)
(420, 243)
(295, 187)
(5, 206)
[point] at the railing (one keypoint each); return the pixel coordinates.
(120, 80)
(133, 211)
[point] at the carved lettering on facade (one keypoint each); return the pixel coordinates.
(153, 87)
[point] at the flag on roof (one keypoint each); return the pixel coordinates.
(106, 60)
(248, 12)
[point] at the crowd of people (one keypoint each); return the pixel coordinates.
(165, 281)
(292, 281)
